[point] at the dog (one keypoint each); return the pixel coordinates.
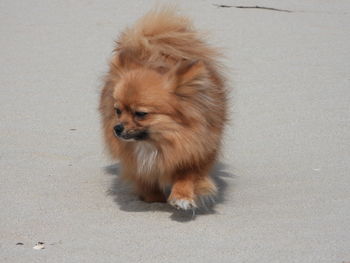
(163, 109)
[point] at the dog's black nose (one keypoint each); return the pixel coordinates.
(118, 129)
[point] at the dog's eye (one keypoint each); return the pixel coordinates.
(118, 111)
(140, 114)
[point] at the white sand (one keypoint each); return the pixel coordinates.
(285, 166)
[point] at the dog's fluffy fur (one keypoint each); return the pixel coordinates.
(163, 109)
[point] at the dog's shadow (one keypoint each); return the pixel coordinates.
(124, 197)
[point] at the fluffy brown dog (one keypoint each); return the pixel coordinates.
(163, 109)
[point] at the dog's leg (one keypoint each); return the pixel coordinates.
(150, 193)
(182, 194)
(191, 191)
(205, 190)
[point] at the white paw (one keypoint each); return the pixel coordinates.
(183, 204)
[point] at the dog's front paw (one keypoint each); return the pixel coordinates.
(184, 204)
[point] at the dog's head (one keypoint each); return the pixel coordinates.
(150, 102)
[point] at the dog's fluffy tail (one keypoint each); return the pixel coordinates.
(162, 32)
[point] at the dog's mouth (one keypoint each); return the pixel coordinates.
(132, 136)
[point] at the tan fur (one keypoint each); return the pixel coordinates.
(163, 67)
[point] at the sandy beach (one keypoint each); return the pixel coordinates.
(284, 171)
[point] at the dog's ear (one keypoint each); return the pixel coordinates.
(124, 61)
(127, 60)
(190, 70)
(188, 75)
(187, 71)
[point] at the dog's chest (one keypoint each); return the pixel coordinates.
(146, 156)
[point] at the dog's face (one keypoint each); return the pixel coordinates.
(142, 105)
(147, 103)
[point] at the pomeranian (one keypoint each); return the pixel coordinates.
(163, 109)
